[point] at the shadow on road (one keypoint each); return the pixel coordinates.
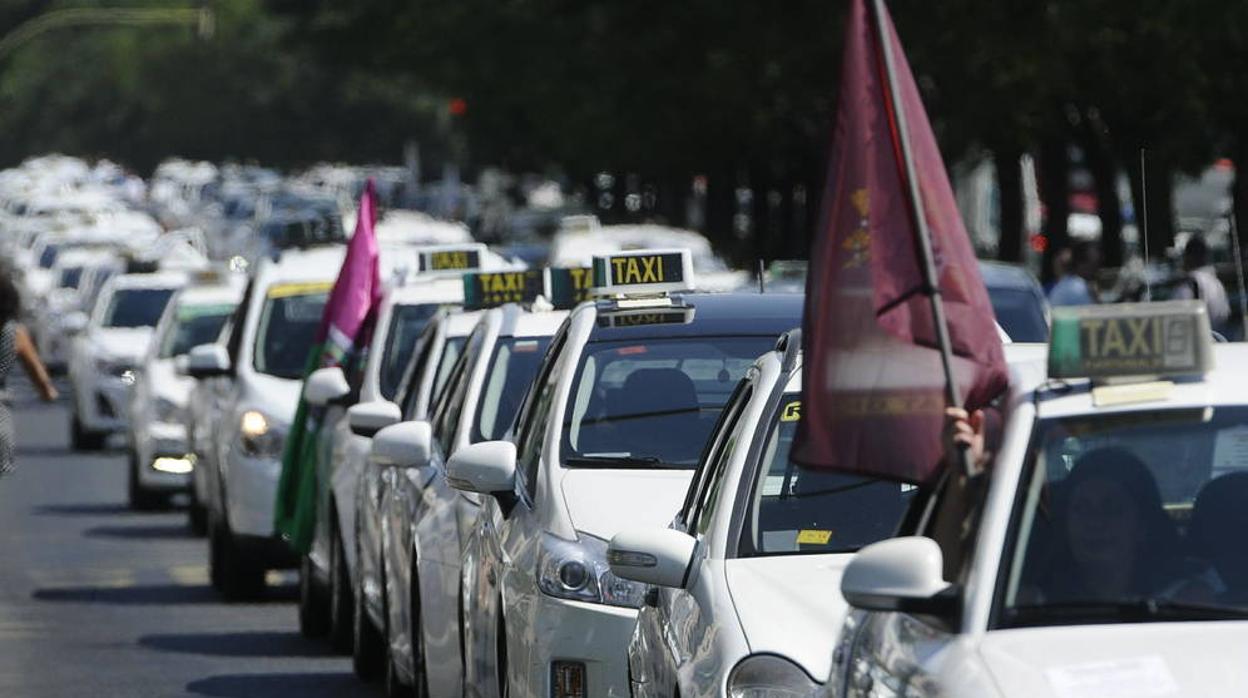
(156, 594)
(258, 643)
(83, 509)
(326, 685)
(172, 531)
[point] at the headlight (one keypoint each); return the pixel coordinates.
(260, 437)
(578, 570)
(769, 676)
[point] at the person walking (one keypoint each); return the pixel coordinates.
(1201, 283)
(15, 344)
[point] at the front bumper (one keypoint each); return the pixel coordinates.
(596, 635)
(102, 404)
(250, 492)
(161, 448)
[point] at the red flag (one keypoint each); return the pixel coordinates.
(873, 385)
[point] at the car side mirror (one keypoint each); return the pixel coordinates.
(326, 386)
(900, 574)
(403, 445)
(488, 467)
(660, 556)
(368, 418)
(75, 322)
(207, 361)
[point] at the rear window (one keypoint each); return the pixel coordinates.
(194, 326)
(136, 307)
(652, 402)
(406, 324)
(288, 326)
(1020, 313)
(48, 257)
(70, 277)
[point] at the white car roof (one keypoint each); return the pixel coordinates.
(210, 295)
(577, 247)
(526, 323)
(445, 290)
(415, 228)
(157, 280)
(319, 264)
(461, 324)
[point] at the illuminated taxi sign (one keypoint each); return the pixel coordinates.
(450, 258)
(646, 316)
(1140, 339)
(643, 272)
(492, 289)
(567, 286)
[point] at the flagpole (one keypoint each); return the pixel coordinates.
(923, 236)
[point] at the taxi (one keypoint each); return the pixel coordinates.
(160, 460)
(742, 579)
(107, 354)
(1100, 554)
(424, 518)
(58, 315)
(607, 438)
(424, 378)
(262, 362)
(357, 400)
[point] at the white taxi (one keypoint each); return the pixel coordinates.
(160, 457)
(607, 438)
(107, 353)
(744, 577)
(425, 520)
(1102, 552)
(426, 375)
(361, 397)
(263, 359)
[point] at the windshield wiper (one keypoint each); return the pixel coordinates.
(607, 462)
(1129, 611)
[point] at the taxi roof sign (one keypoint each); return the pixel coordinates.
(450, 258)
(1133, 340)
(643, 272)
(494, 288)
(568, 286)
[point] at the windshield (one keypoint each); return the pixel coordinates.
(136, 307)
(1020, 313)
(195, 325)
(287, 329)
(450, 354)
(406, 324)
(48, 257)
(652, 399)
(795, 509)
(1130, 516)
(70, 277)
(512, 368)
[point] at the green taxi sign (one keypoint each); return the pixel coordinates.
(492, 289)
(450, 258)
(568, 286)
(1167, 339)
(643, 272)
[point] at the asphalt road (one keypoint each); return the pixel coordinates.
(96, 600)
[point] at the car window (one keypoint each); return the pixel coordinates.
(1020, 313)
(509, 373)
(652, 399)
(709, 455)
(136, 307)
(450, 404)
(409, 387)
(797, 509)
(286, 332)
(192, 326)
(1140, 510)
(725, 446)
(70, 276)
(450, 354)
(406, 324)
(537, 415)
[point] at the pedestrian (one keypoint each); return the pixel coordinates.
(15, 343)
(1077, 286)
(1200, 282)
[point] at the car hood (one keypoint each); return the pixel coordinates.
(166, 382)
(602, 502)
(790, 606)
(121, 343)
(1129, 659)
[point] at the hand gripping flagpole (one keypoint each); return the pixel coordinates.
(923, 236)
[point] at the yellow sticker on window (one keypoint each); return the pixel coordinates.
(812, 536)
(305, 288)
(791, 412)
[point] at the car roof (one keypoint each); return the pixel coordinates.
(162, 279)
(318, 264)
(460, 324)
(521, 322)
(713, 314)
(210, 295)
(420, 292)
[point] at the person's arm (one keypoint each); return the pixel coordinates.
(29, 357)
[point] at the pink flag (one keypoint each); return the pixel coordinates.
(358, 288)
(873, 386)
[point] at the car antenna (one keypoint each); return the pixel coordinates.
(1148, 287)
(1239, 272)
(762, 287)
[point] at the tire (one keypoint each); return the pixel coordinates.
(504, 685)
(420, 674)
(341, 598)
(240, 577)
(313, 601)
(368, 647)
(197, 516)
(140, 498)
(81, 439)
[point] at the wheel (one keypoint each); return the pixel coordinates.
(504, 685)
(197, 515)
(341, 600)
(81, 439)
(313, 604)
(140, 498)
(234, 573)
(215, 575)
(368, 649)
